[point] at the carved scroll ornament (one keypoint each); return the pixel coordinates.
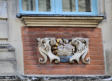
(56, 50)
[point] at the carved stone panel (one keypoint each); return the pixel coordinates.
(63, 50)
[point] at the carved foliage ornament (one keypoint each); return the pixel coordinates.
(63, 50)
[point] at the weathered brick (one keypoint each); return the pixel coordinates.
(31, 53)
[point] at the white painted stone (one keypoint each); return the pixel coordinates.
(7, 68)
(7, 55)
(15, 38)
(3, 29)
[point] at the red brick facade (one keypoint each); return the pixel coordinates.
(31, 53)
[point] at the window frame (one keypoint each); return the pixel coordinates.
(57, 9)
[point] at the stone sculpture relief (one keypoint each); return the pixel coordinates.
(63, 50)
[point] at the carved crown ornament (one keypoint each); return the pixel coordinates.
(59, 50)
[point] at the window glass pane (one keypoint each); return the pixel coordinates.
(85, 5)
(28, 5)
(68, 5)
(44, 5)
(3, 9)
(3, 29)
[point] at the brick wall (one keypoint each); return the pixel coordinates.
(31, 53)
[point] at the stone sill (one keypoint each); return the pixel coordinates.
(62, 21)
(1, 18)
(69, 78)
(5, 47)
(72, 78)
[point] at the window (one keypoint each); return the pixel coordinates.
(44, 5)
(3, 20)
(70, 7)
(28, 5)
(3, 9)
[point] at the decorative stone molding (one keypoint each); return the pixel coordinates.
(63, 50)
(3, 18)
(4, 46)
(56, 78)
(63, 21)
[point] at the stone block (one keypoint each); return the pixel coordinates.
(7, 68)
(7, 56)
(3, 29)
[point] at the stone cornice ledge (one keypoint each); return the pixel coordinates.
(63, 21)
(65, 77)
(1, 18)
(6, 47)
